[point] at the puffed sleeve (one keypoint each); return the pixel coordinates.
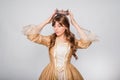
(82, 44)
(31, 32)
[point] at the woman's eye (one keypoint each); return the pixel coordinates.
(59, 26)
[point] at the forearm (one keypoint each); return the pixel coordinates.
(75, 24)
(40, 26)
(47, 21)
(80, 31)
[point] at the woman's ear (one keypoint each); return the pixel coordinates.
(66, 28)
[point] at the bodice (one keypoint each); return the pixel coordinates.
(61, 52)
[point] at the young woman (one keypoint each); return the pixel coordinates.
(62, 45)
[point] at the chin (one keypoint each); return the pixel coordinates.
(57, 34)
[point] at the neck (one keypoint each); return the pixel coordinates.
(61, 38)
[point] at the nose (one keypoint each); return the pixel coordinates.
(55, 28)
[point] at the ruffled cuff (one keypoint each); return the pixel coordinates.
(92, 37)
(29, 29)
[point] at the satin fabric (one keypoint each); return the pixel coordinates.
(51, 72)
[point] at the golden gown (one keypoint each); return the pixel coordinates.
(60, 55)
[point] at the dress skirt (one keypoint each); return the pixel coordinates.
(71, 73)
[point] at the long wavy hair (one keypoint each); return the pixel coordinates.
(63, 20)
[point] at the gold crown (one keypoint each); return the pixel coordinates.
(65, 12)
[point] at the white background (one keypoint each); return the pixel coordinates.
(21, 59)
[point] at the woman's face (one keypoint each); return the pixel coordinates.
(59, 29)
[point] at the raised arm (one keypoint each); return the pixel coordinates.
(44, 23)
(32, 31)
(84, 42)
(76, 25)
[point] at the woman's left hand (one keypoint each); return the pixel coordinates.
(72, 18)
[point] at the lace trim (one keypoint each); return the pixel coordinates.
(29, 29)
